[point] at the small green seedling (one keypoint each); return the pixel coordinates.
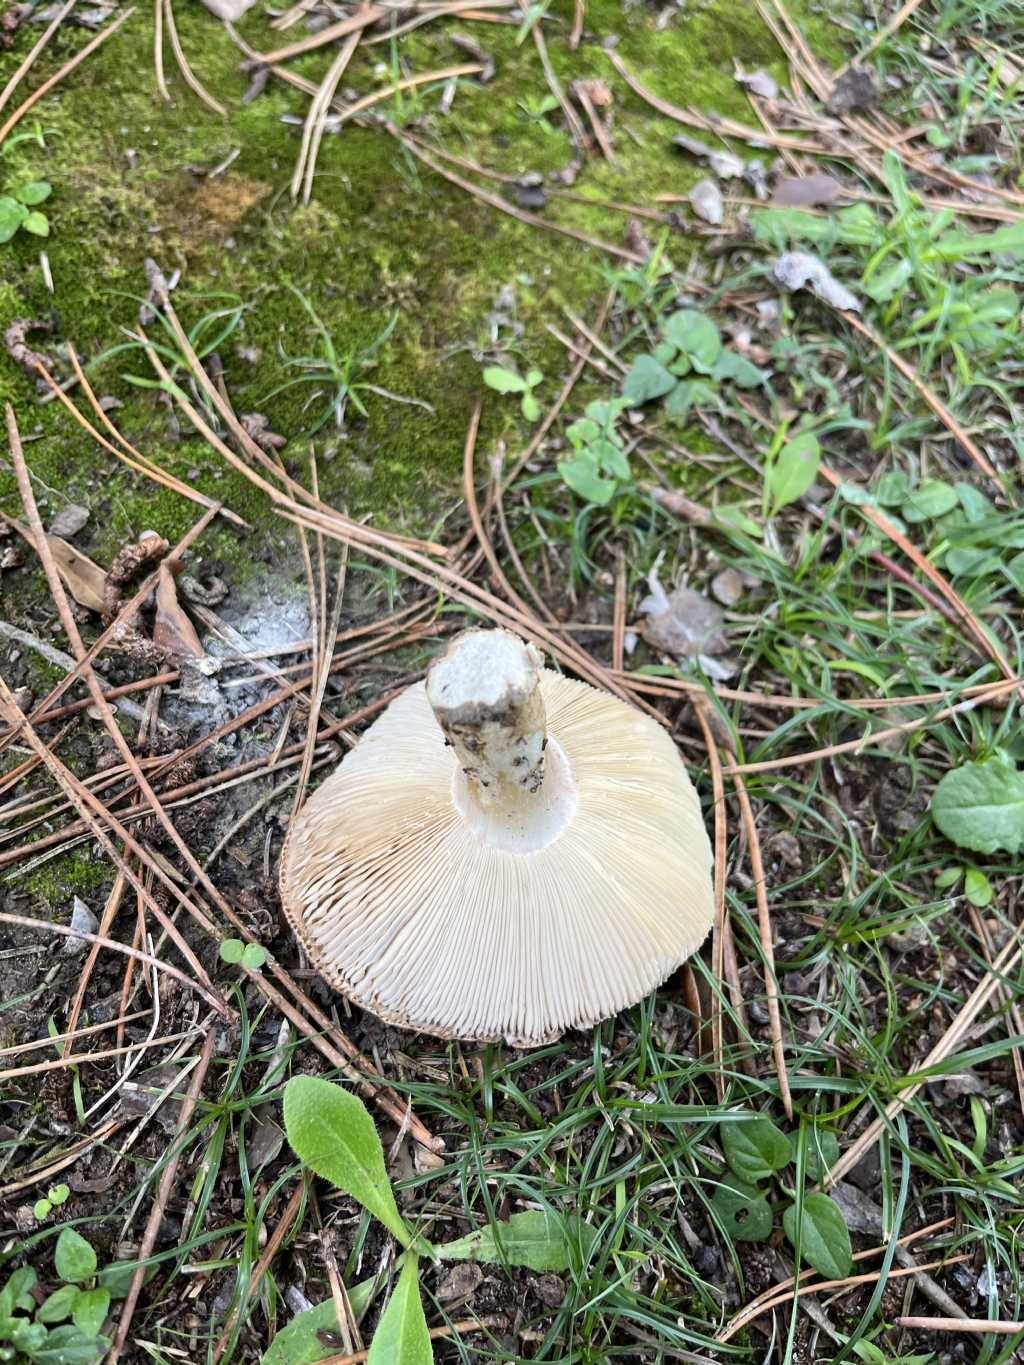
(251, 956)
(536, 111)
(18, 210)
(55, 1196)
(503, 380)
(756, 1150)
(977, 887)
(65, 1328)
(332, 1132)
(599, 464)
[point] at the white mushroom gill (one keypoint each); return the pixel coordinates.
(516, 899)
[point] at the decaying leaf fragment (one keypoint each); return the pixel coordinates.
(803, 270)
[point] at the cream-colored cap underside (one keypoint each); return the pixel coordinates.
(402, 907)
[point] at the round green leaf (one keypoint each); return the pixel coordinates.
(743, 1211)
(12, 215)
(824, 1237)
(977, 888)
(582, 477)
(59, 1305)
(38, 224)
(755, 1148)
(330, 1130)
(89, 1312)
(530, 407)
(647, 379)
(231, 950)
(980, 806)
(58, 1194)
(502, 380)
(74, 1258)
(41, 1208)
(34, 192)
(738, 369)
(931, 498)
(253, 956)
(695, 334)
(537, 1238)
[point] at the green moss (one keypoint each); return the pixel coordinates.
(58, 881)
(382, 234)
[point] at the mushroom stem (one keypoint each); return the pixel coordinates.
(485, 694)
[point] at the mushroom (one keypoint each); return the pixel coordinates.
(507, 853)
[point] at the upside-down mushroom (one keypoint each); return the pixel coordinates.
(507, 853)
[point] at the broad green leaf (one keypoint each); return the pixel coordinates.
(330, 1130)
(972, 561)
(253, 956)
(584, 431)
(754, 1148)
(16, 1290)
(68, 1346)
(743, 1211)
(530, 407)
(74, 1258)
(605, 412)
(855, 226)
(401, 1337)
(533, 378)
(502, 380)
(696, 335)
(931, 498)
(975, 504)
(117, 1277)
(26, 1336)
(647, 379)
(821, 1151)
(12, 215)
(611, 458)
(34, 192)
(977, 888)
(582, 477)
(793, 470)
(824, 1237)
(965, 246)
(980, 806)
(298, 1343)
(738, 369)
(38, 224)
(892, 488)
(687, 394)
(948, 878)
(664, 353)
(59, 1305)
(89, 1312)
(231, 951)
(538, 1239)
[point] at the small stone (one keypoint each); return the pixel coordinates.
(550, 1289)
(83, 921)
(460, 1282)
(69, 520)
(727, 587)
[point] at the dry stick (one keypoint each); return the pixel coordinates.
(608, 151)
(1004, 998)
(848, 1283)
(496, 1320)
(930, 397)
(886, 31)
(313, 128)
(576, 129)
(446, 73)
(110, 909)
(354, 23)
(469, 9)
(34, 52)
(158, 50)
(718, 927)
(994, 1325)
(65, 70)
(151, 470)
(67, 932)
(70, 626)
(274, 1241)
(578, 17)
(503, 205)
(992, 691)
(126, 613)
(929, 570)
(188, 75)
(94, 813)
(79, 1059)
(71, 1034)
(163, 1194)
(690, 117)
(47, 1168)
(1005, 963)
(807, 1277)
(619, 616)
(771, 985)
(137, 462)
